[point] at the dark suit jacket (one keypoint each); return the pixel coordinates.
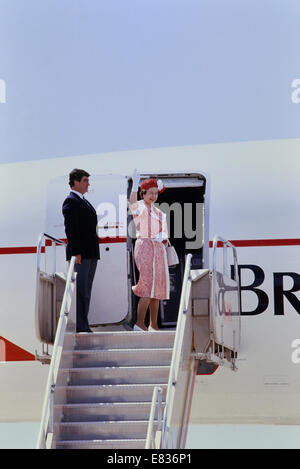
(80, 226)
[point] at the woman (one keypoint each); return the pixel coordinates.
(149, 253)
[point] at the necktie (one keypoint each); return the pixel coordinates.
(88, 204)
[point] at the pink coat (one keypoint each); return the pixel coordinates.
(150, 253)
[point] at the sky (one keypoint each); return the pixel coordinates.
(93, 76)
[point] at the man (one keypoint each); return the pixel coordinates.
(80, 226)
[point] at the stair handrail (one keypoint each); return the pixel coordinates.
(156, 404)
(226, 243)
(41, 237)
(47, 420)
(184, 299)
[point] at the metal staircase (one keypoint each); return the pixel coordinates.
(110, 389)
(107, 401)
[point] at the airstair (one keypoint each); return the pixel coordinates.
(110, 386)
(124, 389)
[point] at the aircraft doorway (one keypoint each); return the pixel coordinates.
(183, 203)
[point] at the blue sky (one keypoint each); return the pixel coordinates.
(92, 76)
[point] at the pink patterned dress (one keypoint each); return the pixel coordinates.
(150, 253)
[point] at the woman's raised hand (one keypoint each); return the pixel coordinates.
(135, 180)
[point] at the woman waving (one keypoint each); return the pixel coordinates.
(149, 252)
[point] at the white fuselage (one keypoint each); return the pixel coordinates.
(252, 199)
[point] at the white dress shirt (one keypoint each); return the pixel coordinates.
(77, 193)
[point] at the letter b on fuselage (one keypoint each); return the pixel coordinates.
(281, 292)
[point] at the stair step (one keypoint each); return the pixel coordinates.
(125, 339)
(117, 357)
(109, 430)
(105, 411)
(118, 375)
(102, 444)
(107, 393)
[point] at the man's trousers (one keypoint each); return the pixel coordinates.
(84, 282)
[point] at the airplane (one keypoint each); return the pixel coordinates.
(247, 193)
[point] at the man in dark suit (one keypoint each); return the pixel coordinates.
(81, 230)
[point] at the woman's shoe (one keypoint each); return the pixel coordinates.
(150, 329)
(137, 328)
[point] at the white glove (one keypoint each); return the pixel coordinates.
(160, 185)
(135, 180)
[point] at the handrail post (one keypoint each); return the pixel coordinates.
(159, 410)
(164, 428)
(54, 258)
(156, 398)
(51, 408)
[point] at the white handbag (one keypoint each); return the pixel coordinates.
(172, 257)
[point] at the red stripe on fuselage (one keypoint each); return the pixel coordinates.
(32, 249)
(108, 240)
(243, 243)
(10, 352)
